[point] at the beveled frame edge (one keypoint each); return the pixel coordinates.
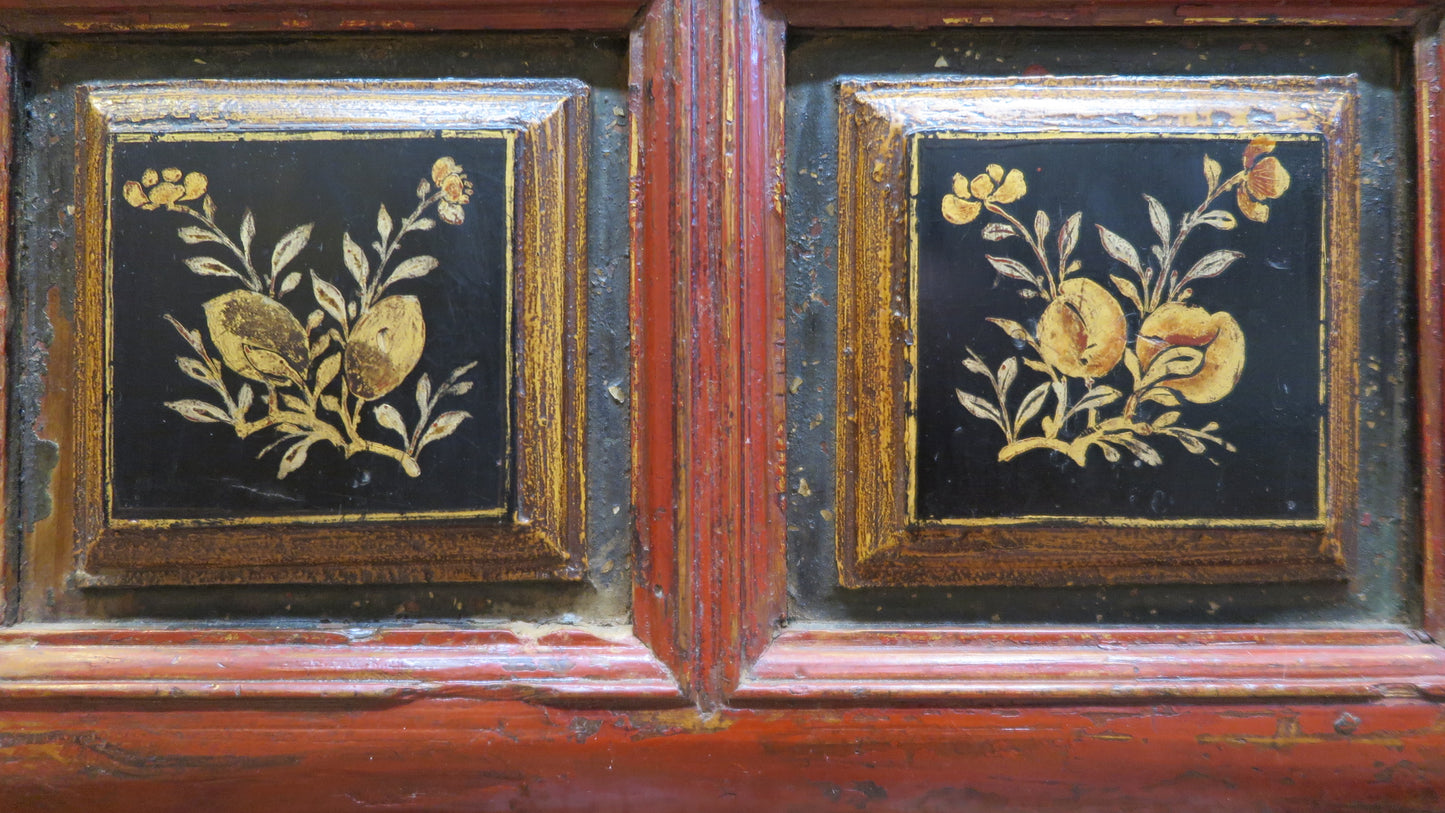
(548, 237)
(1006, 666)
(577, 667)
(878, 542)
(25, 18)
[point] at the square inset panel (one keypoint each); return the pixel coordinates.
(1094, 346)
(330, 331)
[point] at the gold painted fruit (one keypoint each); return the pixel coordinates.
(384, 347)
(1216, 334)
(1082, 331)
(257, 336)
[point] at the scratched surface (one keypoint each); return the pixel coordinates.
(44, 275)
(1383, 585)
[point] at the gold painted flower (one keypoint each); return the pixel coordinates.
(1217, 335)
(1264, 179)
(991, 186)
(1082, 331)
(166, 188)
(454, 187)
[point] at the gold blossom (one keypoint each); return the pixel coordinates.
(454, 187)
(166, 188)
(1082, 332)
(1264, 179)
(991, 186)
(1217, 335)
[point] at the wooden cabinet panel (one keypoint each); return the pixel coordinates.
(696, 691)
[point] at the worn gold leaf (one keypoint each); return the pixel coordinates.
(389, 417)
(329, 298)
(199, 411)
(288, 247)
(384, 347)
(444, 425)
(294, 458)
(355, 258)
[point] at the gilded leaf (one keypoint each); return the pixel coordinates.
(195, 234)
(1006, 373)
(1041, 225)
(332, 403)
(1099, 396)
(1141, 450)
(975, 366)
(1131, 362)
(271, 365)
(459, 388)
(329, 298)
(1014, 330)
(1176, 362)
(1037, 365)
(387, 416)
(423, 224)
(998, 231)
(423, 394)
(1120, 249)
(1069, 237)
(445, 424)
(1159, 219)
(288, 247)
(980, 408)
(199, 411)
(383, 223)
(1189, 442)
(289, 284)
(313, 321)
(293, 402)
(1031, 405)
(1211, 265)
(413, 268)
(209, 207)
(194, 369)
(356, 261)
(1219, 219)
(461, 371)
(211, 267)
(1161, 395)
(294, 458)
(1110, 453)
(1167, 419)
(1011, 268)
(327, 370)
(1211, 172)
(192, 337)
(248, 233)
(1128, 289)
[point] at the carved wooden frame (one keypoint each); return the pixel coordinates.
(880, 540)
(544, 122)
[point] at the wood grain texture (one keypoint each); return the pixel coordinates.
(573, 667)
(708, 416)
(458, 754)
(9, 553)
(961, 667)
(1081, 13)
(28, 18)
(1430, 133)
